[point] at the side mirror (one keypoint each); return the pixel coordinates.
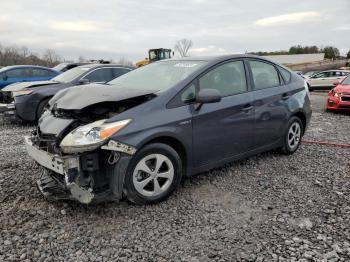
(207, 96)
(336, 83)
(84, 81)
(5, 77)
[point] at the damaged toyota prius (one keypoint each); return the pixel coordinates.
(137, 137)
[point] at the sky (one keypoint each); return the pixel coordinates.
(112, 29)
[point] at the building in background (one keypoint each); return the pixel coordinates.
(296, 59)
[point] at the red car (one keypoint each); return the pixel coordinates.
(339, 97)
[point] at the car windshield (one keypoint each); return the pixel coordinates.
(4, 68)
(310, 73)
(72, 74)
(59, 67)
(158, 76)
(346, 81)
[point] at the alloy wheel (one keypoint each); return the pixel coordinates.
(153, 175)
(294, 135)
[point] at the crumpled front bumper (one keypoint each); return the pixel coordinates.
(67, 166)
(61, 181)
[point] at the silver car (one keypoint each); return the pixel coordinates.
(324, 80)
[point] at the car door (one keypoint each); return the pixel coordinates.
(39, 74)
(321, 79)
(225, 128)
(270, 94)
(99, 75)
(17, 75)
(3, 79)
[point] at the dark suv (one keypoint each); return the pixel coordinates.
(27, 101)
(138, 137)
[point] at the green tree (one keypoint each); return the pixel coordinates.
(330, 52)
(348, 55)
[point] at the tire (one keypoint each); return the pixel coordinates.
(41, 107)
(293, 135)
(159, 182)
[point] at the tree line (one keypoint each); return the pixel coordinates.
(330, 52)
(14, 55)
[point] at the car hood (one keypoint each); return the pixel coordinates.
(79, 97)
(342, 89)
(23, 85)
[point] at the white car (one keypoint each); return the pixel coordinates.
(324, 80)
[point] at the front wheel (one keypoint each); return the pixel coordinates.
(292, 138)
(153, 174)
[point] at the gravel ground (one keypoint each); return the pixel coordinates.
(266, 208)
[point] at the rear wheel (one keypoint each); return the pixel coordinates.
(292, 138)
(153, 174)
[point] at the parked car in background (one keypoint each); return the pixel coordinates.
(324, 80)
(63, 67)
(339, 97)
(24, 73)
(27, 101)
(140, 134)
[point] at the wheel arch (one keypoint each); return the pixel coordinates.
(302, 116)
(44, 98)
(174, 143)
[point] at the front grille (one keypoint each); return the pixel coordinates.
(345, 98)
(345, 106)
(47, 142)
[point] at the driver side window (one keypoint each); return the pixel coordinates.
(229, 79)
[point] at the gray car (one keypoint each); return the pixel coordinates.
(139, 136)
(27, 101)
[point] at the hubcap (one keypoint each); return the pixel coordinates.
(153, 175)
(294, 135)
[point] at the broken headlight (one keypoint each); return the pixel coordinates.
(91, 136)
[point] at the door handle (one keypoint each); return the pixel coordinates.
(285, 96)
(247, 108)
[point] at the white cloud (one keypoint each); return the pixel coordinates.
(210, 50)
(74, 26)
(343, 28)
(286, 19)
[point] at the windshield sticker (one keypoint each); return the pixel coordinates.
(189, 65)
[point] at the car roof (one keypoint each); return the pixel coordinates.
(337, 70)
(6, 68)
(103, 65)
(220, 58)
